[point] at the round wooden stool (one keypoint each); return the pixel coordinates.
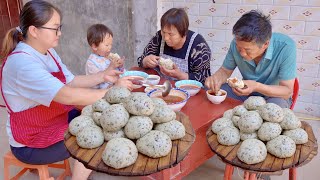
(9, 159)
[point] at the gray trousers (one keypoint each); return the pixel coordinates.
(279, 101)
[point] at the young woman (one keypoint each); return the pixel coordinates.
(39, 90)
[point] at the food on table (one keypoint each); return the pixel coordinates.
(120, 153)
(78, 123)
(228, 114)
(271, 112)
(239, 110)
(139, 104)
(244, 136)
(162, 114)
(138, 126)
(108, 135)
(189, 87)
(269, 131)
(114, 117)
(235, 120)
(252, 151)
(174, 129)
(220, 124)
(290, 121)
(167, 63)
(114, 56)
(100, 105)
(155, 144)
(171, 99)
(116, 95)
(250, 122)
(219, 93)
(90, 137)
(229, 136)
(87, 110)
(281, 146)
(254, 102)
(158, 102)
(96, 117)
(235, 82)
(299, 136)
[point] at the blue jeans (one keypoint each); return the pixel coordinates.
(279, 101)
(54, 153)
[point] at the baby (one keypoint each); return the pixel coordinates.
(100, 39)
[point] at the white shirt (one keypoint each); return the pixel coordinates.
(28, 82)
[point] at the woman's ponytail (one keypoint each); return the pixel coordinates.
(10, 41)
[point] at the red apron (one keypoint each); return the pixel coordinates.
(40, 126)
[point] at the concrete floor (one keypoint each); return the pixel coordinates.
(212, 169)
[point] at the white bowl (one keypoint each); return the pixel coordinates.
(216, 99)
(136, 75)
(153, 79)
(192, 86)
(176, 93)
(150, 88)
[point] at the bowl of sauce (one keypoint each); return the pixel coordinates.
(192, 86)
(176, 99)
(216, 98)
(153, 79)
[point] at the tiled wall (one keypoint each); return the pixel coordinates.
(300, 19)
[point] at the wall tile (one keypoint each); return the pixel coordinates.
(198, 1)
(313, 28)
(316, 97)
(307, 70)
(210, 9)
(257, 1)
(223, 22)
(210, 44)
(190, 8)
(220, 47)
(213, 34)
(288, 27)
(195, 29)
(306, 42)
(229, 36)
(201, 21)
(276, 12)
(165, 7)
(309, 83)
(305, 96)
(290, 2)
(305, 13)
(307, 108)
(314, 2)
(217, 59)
(299, 55)
(238, 10)
(311, 57)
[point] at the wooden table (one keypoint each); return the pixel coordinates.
(144, 165)
(201, 113)
(304, 153)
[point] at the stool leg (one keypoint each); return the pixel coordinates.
(246, 175)
(252, 176)
(228, 172)
(292, 173)
(6, 169)
(43, 172)
(67, 166)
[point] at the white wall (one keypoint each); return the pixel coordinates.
(300, 19)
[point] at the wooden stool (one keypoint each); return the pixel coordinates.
(10, 159)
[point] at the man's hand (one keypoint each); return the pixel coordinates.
(125, 82)
(250, 87)
(175, 72)
(150, 61)
(214, 83)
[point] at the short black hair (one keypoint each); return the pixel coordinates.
(178, 18)
(253, 26)
(96, 34)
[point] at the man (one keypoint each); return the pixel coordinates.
(266, 60)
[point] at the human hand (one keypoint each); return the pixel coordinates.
(175, 72)
(125, 82)
(150, 61)
(214, 83)
(111, 75)
(250, 87)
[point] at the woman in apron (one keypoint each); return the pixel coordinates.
(188, 50)
(39, 90)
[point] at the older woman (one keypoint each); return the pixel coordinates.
(187, 49)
